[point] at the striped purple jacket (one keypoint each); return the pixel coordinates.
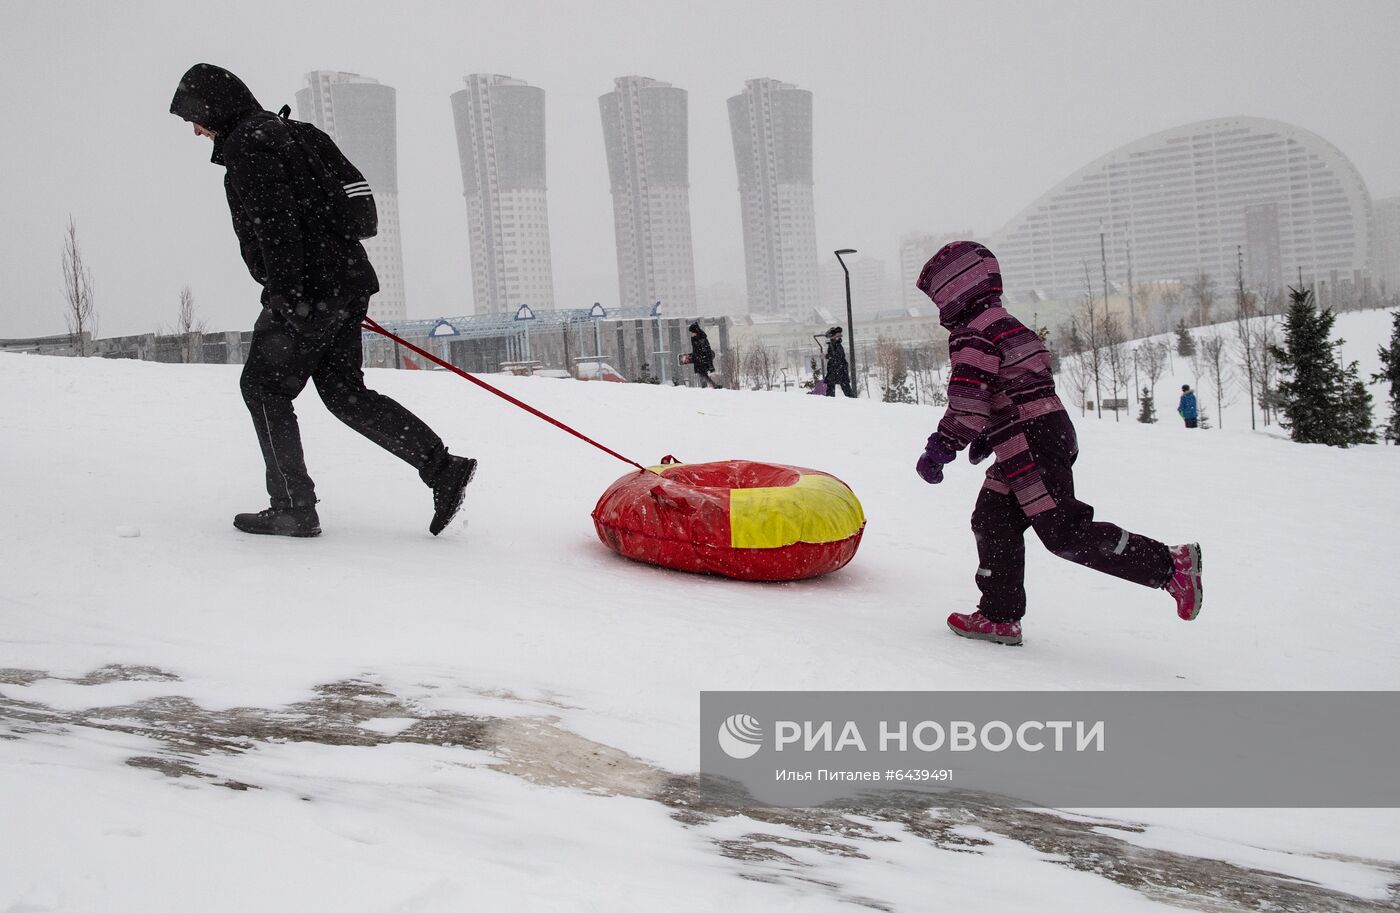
(1000, 368)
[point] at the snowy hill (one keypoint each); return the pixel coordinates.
(504, 717)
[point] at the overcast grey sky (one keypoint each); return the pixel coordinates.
(929, 116)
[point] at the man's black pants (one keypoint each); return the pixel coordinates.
(279, 364)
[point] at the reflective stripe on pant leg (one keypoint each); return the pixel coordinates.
(272, 448)
(999, 527)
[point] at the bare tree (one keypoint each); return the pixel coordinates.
(1143, 291)
(1270, 300)
(79, 306)
(1089, 328)
(1152, 359)
(925, 359)
(1265, 330)
(1170, 307)
(761, 366)
(1117, 358)
(1074, 366)
(1217, 370)
(1202, 297)
(189, 329)
(741, 366)
(1245, 338)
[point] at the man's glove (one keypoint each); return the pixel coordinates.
(931, 462)
(979, 450)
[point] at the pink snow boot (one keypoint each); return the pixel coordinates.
(979, 627)
(1185, 582)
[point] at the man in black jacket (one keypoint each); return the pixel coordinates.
(316, 290)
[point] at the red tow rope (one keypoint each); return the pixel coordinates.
(369, 324)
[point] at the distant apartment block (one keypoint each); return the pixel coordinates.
(915, 249)
(831, 289)
(771, 126)
(501, 146)
(361, 116)
(871, 291)
(1386, 241)
(1186, 200)
(720, 299)
(1263, 252)
(646, 135)
(870, 286)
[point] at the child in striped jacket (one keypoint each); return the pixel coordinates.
(1001, 400)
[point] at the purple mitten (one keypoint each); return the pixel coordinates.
(936, 455)
(929, 469)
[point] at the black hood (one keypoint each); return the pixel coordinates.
(213, 98)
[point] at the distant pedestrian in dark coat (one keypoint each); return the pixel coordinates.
(838, 372)
(316, 289)
(1001, 400)
(702, 357)
(1186, 408)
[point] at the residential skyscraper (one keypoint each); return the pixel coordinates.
(361, 116)
(646, 133)
(771, 124)
(500, 143)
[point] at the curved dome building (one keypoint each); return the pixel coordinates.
(1188, 201)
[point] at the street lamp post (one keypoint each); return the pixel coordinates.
(661, 353)
(597, 312)
(526, 315)
(1103, 262)
(850, 323)
(1132, 309)
(1137, 389)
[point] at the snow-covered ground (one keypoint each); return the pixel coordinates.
(504, 717)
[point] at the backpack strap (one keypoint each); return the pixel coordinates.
(284, 112)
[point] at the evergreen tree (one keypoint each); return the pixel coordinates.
(1390, 361)
(1354, 419)
(898, 391)
(1147, 409)
(1323, 403)
(1185, 344)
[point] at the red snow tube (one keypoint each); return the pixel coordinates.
(737, 518)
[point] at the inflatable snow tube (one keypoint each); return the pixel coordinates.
(737, 518)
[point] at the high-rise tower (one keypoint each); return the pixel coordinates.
(771, 123)
(646, 133)
(500, 142)
(361, 116)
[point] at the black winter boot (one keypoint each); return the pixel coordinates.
(281, 521)
(449, 488)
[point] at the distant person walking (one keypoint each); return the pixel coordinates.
(702, 356)
(316, 289)
(838, 371)
(1186, 408)
(1002, 402)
